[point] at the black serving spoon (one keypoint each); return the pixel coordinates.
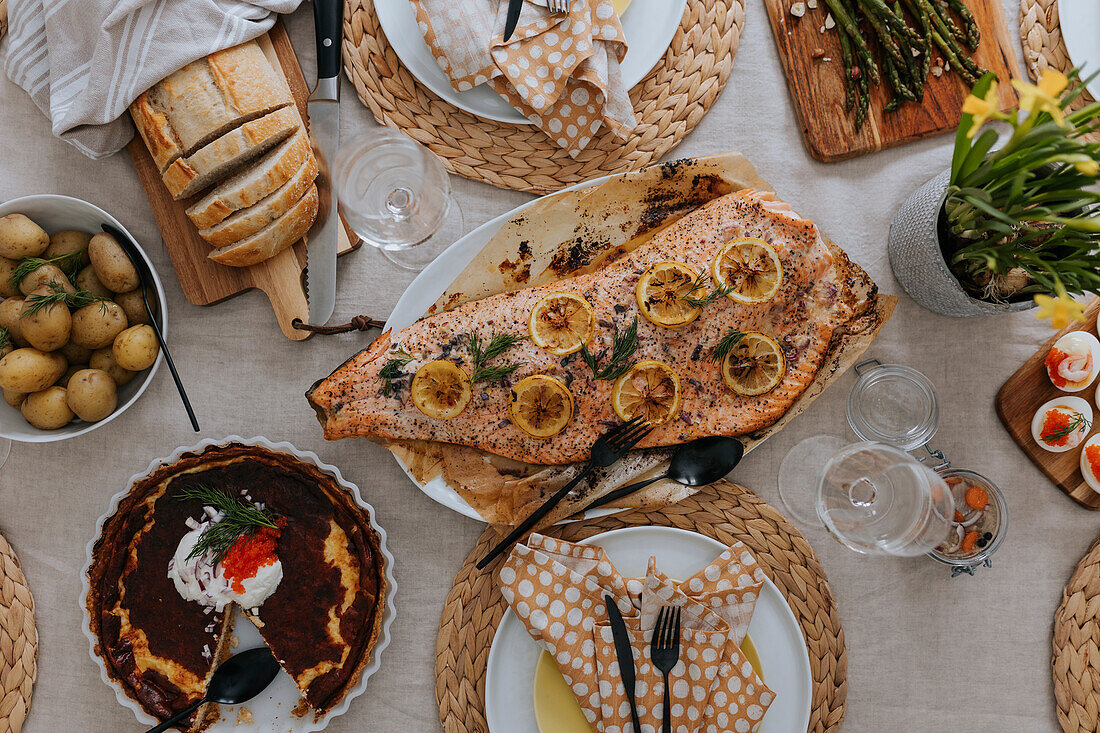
(698, 463)
(239, 679)
(146, 277)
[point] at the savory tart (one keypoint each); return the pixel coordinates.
(235, 527)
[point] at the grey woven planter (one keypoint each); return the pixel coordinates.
(917, 260)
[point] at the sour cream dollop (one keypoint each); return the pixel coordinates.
(203, 581)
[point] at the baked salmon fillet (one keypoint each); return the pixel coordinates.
(821, 291)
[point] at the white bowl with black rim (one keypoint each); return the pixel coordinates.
(53, 213)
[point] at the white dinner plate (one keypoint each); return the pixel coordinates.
(1080, 24)
(273, 709)
(510, 673)
(648, 25)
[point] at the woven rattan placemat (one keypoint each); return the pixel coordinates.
(1041, 38)
(668, 104)
(725, 512)
(1076, 660)
(18, 642)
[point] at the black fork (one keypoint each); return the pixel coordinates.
(664, 650)
(610, 447)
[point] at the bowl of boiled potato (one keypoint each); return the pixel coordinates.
(76, 344)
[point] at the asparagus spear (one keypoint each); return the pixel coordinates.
(845, 21)
(973, 33)
(849, 82)
(912, 66)
(901, 89)
(888, 40)
(880, 9)
(948, 22)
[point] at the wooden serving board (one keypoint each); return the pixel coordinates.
(817, 85)
(204, 281)
(1026, 391)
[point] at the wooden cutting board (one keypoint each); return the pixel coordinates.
(1026, 391)
(817, 85)
(204, 281)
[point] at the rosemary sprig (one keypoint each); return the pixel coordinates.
(726, 344)
(1075, 423)
(484, 353)
(78, 299)
(70, 264)
(239, 518)
(393, 369)
(717, 293)
(623, 346)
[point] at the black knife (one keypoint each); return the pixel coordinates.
(625, 656)
(514, 6)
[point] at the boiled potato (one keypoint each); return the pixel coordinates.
(10, 310)
(48, 327)
(68, 241)
(96, 325)
(75, 353)
(92, 394)
(86, 280)
(105, 360)
(112, 266)
(133, 305)
(73, 369)
(20, 237)
(31, 370)
(48, 409)
(15, 399)
(136, 348)
(44, 275)
(7, 267)
(6, 348)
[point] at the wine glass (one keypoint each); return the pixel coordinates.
(874, 498)
(396, 195)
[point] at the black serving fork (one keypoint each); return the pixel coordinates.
(664, 650)
(610, 447)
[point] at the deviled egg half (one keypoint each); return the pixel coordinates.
(1090, 462)
(1062, 424)
(1074, 361)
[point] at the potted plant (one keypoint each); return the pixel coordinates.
(1007, 229)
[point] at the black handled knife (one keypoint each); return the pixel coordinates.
(514, 6)
(624, 655)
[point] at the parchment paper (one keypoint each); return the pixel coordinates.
(576, 232)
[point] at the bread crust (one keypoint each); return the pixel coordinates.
(275, 237)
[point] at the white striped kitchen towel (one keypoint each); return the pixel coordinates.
(84, 61)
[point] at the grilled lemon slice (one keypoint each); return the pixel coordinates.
(661, 291)
(541, 406)
(750, 268)
(650, 389)
(440, 390)
(561, 323)
(755, 365)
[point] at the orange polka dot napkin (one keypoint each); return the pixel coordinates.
(561, 70)
(557, 590)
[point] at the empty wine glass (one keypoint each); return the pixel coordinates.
(396, 195)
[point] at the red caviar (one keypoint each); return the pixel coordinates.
(1055, 421)
(250, 553)
(1054, 358)
(1092, 455)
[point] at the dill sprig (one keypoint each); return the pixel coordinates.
(482, 354)
(718, 292)
(726, 344)
(1075, 423)
(623, 346)
(70, 264)
(77, 299)
(5, 338)
(239, 518)
(393, 369)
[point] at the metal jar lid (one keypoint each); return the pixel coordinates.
(893, 404)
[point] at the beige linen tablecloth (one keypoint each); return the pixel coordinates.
(925, 652)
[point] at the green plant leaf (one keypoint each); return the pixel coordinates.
(962, 142)
(977, 154)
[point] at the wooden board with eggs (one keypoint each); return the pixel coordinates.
(1049, 406)
(73, 323)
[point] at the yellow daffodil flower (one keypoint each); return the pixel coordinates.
(1087, 168)
(1044, 96)
(1060, 310)
(981, 109)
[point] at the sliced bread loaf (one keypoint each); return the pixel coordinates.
(248, 221)
(217, 159)
(254, 183)
(206, 99)
(274, 238)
